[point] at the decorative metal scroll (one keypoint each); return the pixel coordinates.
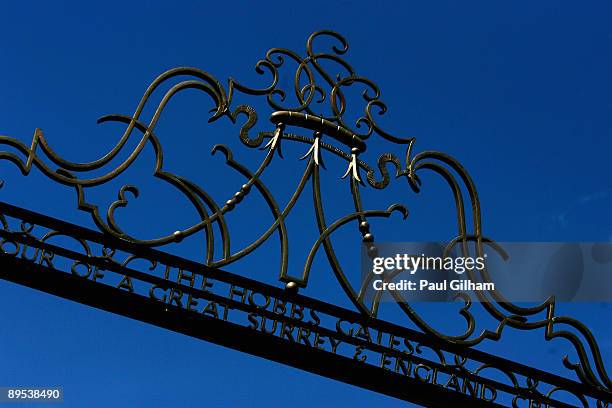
(318, 118)
(251, 316)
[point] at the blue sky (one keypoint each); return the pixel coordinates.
(519, 92)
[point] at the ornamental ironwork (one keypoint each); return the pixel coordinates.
(312, 111)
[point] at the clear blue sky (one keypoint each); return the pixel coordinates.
(519, 92)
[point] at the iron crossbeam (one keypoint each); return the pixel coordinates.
(18, 268)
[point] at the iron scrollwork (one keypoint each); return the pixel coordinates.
(320, 106)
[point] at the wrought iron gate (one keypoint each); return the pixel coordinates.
(104, 268)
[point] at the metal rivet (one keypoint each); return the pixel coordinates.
(364, 226)
(292, 287)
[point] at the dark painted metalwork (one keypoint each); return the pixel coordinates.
(321, 104)
(281, 325)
